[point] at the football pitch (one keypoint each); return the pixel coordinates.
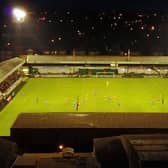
(123, 95)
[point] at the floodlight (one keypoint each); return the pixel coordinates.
(19, 15)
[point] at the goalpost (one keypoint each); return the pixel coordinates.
(105, 74)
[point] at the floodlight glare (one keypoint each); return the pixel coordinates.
(19, 15)
(61, 147)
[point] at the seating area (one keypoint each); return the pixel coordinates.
(9, 74)
(10, 66)
(9, 81)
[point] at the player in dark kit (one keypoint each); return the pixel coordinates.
(162, 99)
(77, 104)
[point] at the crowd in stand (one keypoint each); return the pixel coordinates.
(9, 81)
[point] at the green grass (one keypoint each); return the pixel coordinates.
(94, 94)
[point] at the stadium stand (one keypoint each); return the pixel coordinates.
(10, 66)
(99, 66)
(7, 83)
(128, 151)
(8, 153)
(9, 77)
(132, 151)
(150, 60)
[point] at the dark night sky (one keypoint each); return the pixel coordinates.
(92, 4)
